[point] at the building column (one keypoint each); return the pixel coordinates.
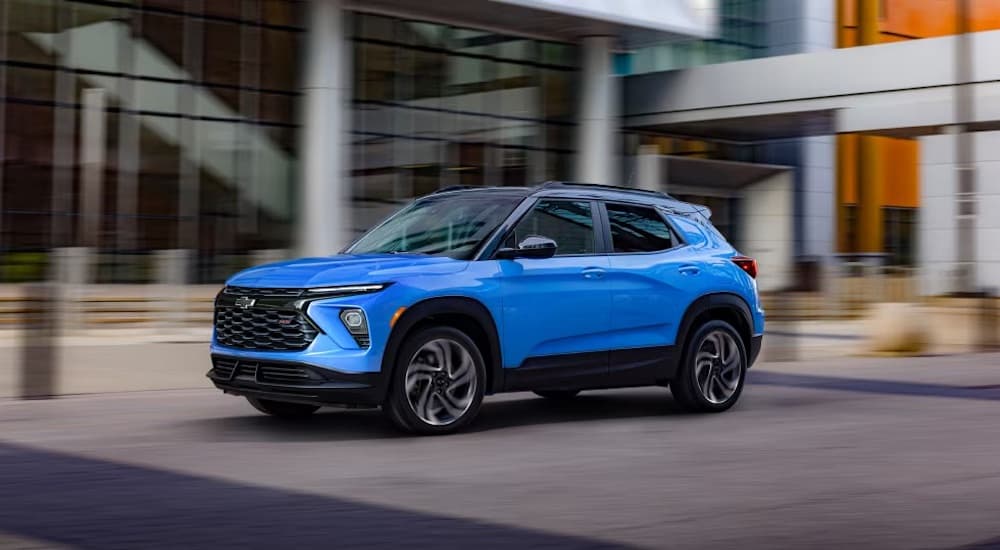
(597, 150)
(324, 187)
(650, 169)
(870, 182)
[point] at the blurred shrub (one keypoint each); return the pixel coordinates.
(23, 267)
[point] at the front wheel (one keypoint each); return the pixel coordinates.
(438, 383)
(282, 409)
(713, 371)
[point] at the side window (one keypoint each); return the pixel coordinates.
(569, 223)
(638, 229)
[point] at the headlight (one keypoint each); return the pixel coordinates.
(344, 290)
(357, 324)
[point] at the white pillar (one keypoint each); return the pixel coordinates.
(597, 152)
(324, 194)
(650, 169)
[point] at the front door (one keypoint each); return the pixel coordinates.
(556, 311)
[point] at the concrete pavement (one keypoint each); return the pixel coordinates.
(117, 360)
(871, 453)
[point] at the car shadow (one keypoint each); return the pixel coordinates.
(508, 412)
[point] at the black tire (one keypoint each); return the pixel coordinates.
(688, 386)
(557, 395)
(398, 407)
(282, 409)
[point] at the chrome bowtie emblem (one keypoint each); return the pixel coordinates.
(245, 302)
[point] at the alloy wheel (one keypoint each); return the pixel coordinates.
(441, 382)
(718, 367)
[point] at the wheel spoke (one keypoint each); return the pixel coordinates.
(441, 355)
(463, 368)
(414, 378)
(718, 366)
(452, 405)
(706, 387)
(441, 381)
(420, 407)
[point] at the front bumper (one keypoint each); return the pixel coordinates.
(295, 382)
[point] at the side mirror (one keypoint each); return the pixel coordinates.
(534, 247)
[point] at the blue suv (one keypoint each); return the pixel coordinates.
(469, 292)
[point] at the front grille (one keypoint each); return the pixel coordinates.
(224, 368)
(263, 329)
(264, 372)
(264, 292)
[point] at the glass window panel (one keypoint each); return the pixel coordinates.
(27, 175)
(226, 8)
(280, 12)
(95, 37)
(557, 94)
(638, 229)
(558, 54)
(430, 35)
(376, 26)
(31, 29)
(569, 223)
(279, 61)
(375, 69)
(278, 108)
(155, 96)
(163, 35)
(516, 48)
(221, 58)
(35, 84)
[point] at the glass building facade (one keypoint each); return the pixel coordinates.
(189, 142)
(437, 105)
(136, 126)
(742, 35)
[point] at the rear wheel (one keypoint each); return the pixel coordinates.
(438, 383)
(282, 409)
(557, 395)
(712, 374)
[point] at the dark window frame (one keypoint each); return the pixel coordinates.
(600, 234)
(676, 237)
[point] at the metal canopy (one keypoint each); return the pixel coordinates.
(521, 18)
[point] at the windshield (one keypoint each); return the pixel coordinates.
(452, 226)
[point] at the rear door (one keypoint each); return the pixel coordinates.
(556, 311)
(651, 279)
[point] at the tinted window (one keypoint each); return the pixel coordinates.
(569, 223)
(445, 225)
(638, 229)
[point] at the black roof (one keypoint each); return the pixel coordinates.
(573, 189)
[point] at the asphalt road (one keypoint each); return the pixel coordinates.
(901, 453)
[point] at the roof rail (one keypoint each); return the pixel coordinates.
(455, 188)
(550, 184)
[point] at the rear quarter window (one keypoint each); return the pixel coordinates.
(691, 232)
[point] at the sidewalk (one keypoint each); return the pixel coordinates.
(121, 360)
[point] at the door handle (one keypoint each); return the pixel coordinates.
(592, 273)
(689, 269)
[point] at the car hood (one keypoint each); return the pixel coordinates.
(344, 269)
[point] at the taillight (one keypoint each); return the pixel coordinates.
(746, 264)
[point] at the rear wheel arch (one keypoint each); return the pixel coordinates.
(466, 314)
(723, 306)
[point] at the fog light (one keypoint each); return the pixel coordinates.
(357, 324)
(353, 319)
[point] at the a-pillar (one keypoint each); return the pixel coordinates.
(324, 192)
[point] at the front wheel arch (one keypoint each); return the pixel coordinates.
(463, 313)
